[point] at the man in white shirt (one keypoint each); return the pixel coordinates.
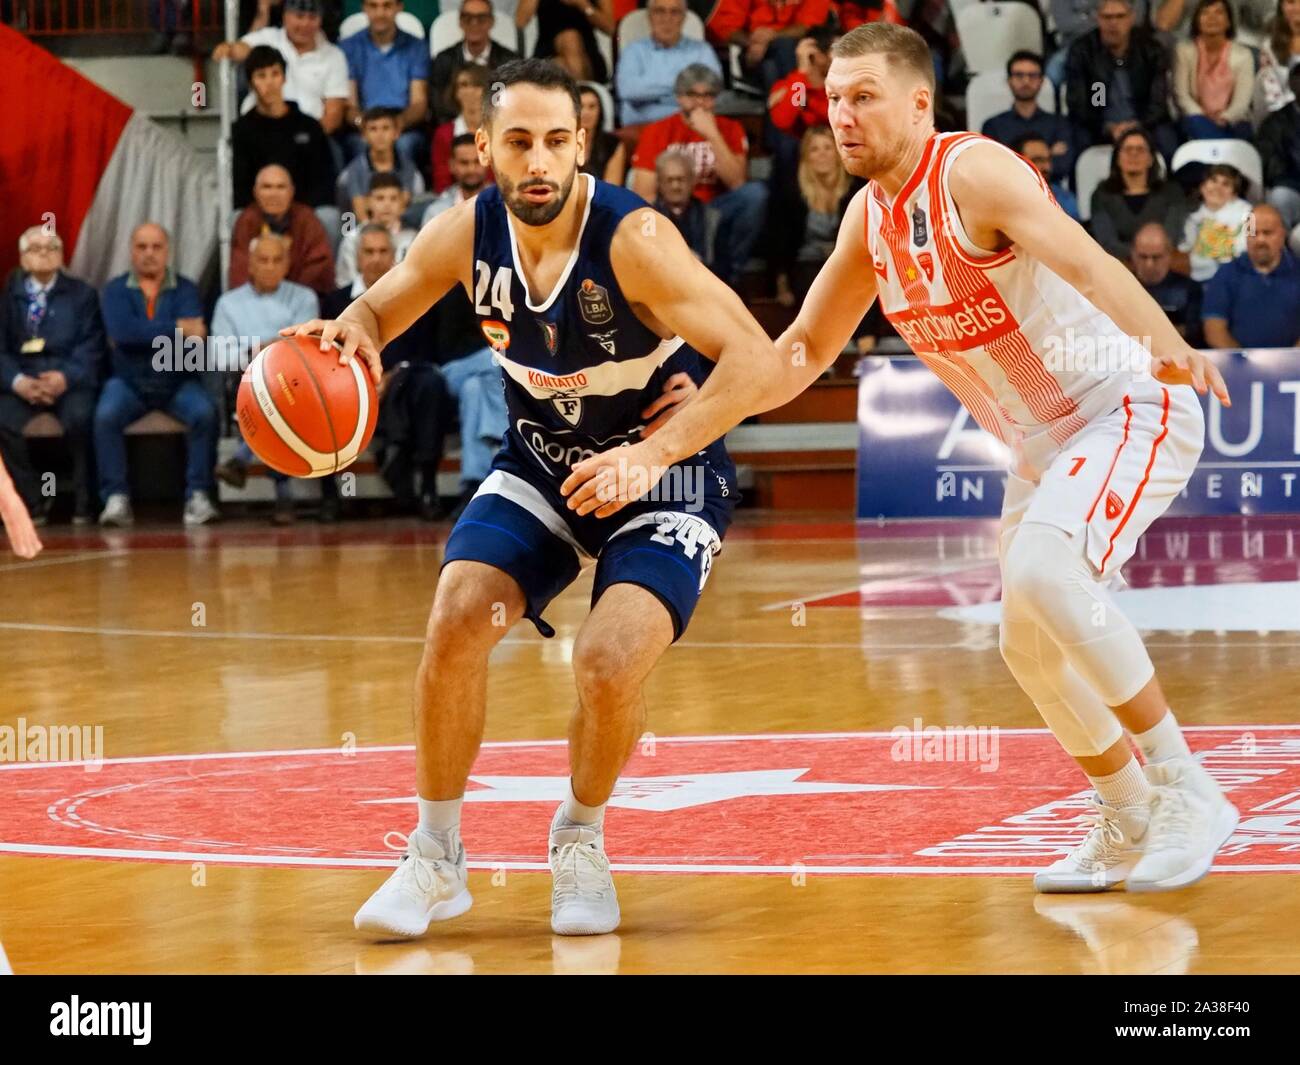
(316, 74)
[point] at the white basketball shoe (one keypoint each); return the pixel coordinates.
(1107, 855)
(429, 884)
(1190, 820)
(583, 901)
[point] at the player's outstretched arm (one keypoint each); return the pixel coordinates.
(1021, 212)
(437, 259)
(17, 522)
(838, 300)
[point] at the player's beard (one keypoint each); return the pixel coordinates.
(870, 161)
(535, 214)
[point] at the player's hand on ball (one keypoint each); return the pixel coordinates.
(604, 484)
(352, 340)
(1191, 367)
(678, 389)
(18, 523)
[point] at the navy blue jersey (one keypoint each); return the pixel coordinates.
(579, 367)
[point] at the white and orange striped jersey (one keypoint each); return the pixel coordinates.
(985, 323)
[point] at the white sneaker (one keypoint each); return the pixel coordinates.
(1190, 820)
(426, 886)
(117, 511)
(199, 510)
(583, 902)
(1107, 855)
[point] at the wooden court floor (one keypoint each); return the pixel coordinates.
(782, 814)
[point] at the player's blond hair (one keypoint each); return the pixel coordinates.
(905, 48)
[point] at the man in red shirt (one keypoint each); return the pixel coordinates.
(797, 103)
(767, 31)
(719, 149)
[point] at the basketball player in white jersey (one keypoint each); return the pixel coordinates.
(994, 287)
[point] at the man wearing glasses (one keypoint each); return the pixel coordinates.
(477, 49)
(719, 149)
(647, 69)
(51, 346)
(1025, 79)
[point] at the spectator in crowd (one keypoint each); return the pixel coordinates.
(1134, 194)
(249, 317)
(1254, 301)
(468, 88)
(853, 13)
(566, 32)
(316, 72)
(1279, 145)
(51, 347)
(1215, 232)
(767, 31)
(384, 206)
(1117, 77)
(1279, 56)
(1178, 295)
(379, 128)
(807, 235)
(273, 210)
(477, 49)
(276, 132)
(1073, 19)
(1025, 79)
(675, 198)
(1213, 76)
(387, 67)
(798, 101)
(719, 149)
(1035, 148)
(468, 176)
(606, 158)
(414, 405)
(147, 311)
(647, 69)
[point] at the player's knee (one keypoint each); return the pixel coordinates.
(600, 665)
(468, 617)
(1038, 569)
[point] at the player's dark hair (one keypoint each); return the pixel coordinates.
(261, 57)
(540, 73)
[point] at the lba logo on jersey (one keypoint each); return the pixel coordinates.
(593, 303)
(568, 405)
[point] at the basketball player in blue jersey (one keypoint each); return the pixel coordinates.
(593, 303)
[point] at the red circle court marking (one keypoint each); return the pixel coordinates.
(848, 803)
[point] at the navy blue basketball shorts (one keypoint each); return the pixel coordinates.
(519, 523)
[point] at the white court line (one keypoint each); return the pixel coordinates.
(59, 560)
(618, 867)
(706, 645)
(776, 737)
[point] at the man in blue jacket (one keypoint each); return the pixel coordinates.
(51, 346)
(154, 318)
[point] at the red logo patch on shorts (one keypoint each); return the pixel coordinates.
(1114, 506)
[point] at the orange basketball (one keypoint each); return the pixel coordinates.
(302, 411)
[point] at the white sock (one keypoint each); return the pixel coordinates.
(1128, 787)
(1163, 741)
(439, 816)
(580, 813)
